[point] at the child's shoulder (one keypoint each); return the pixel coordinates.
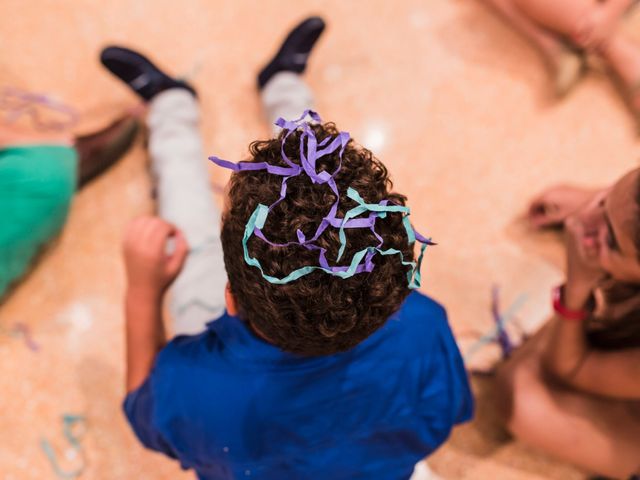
(420, 321)
(184, 349)
(419, 302)
(419, 310)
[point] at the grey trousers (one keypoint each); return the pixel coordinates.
(180, 169)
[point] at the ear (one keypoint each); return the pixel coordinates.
(230, 301)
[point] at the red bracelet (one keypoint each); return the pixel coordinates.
(564, 312)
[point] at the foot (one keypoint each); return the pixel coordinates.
(100, 150)
(556, 204)
(295, 50)
(137, 71)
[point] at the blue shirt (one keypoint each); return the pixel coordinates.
(232, 406)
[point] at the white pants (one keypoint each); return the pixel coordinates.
(180, 167)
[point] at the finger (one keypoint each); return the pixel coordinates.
(158, 234)
(179, 255)
(151, 227)
(606, 260)
(139, 231)
(537, 204)
(163, 228)
(591, 251)
(572, 225)
(538, 213)
(546, 220)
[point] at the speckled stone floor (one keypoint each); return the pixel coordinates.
(450, 99)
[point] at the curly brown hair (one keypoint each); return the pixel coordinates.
(318, 314)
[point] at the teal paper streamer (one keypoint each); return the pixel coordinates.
(68, 422)
(308, 165)
(259, 217)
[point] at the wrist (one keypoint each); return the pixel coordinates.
(576, 295)
(573, 305)
(144, 294)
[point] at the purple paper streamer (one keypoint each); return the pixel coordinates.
(19, 102)
(310, 151)
(25, 331)
(502, 337)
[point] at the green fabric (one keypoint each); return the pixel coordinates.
(37, 184)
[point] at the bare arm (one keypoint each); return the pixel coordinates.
(150, 271)
(569, 357)
(613, 374)
(145, 335)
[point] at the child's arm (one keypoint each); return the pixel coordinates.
(568, 355)
(150, 271)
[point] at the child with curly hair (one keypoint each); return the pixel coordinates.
(324, 361)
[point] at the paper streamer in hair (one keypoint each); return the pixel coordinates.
(362, 260)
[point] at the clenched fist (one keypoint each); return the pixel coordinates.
(150, 266)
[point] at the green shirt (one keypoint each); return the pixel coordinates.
(37, 184)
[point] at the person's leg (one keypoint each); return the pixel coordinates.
(623, 56)
(282, 90)
(98, 151)
(563, 18)
(596, 434)
(287, 96)
(39, 174)
(185, 199)
(565, 65)
(548, 43)
(183, 189)
(586, 23)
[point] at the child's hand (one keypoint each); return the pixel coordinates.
(150, 268)
(584, 271)
(553, 206)
(596, 29)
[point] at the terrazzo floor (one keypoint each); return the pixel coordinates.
(455, 104)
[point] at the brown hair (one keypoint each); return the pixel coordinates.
(319, 313)
(619, 325)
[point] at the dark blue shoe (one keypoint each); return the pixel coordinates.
(295, 50)
(137, 71)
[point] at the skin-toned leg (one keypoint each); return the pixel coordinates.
(555, 204)
(590, 25)
(562, 17)
(597, 434)
(587, 24)
(623, 56)
(566, 66)
(544, 40)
